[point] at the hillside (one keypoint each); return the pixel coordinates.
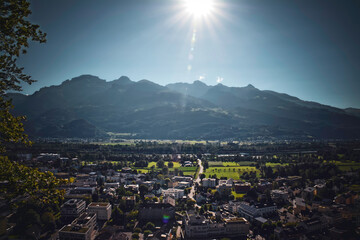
(87, 106)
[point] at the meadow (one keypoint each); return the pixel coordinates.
(345, 165)
(230, 172)
(185, 170)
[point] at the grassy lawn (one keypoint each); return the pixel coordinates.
(229, 164)
(229, 172)
(268, 164)
(186, 170)
(237, 195)
(215, 164)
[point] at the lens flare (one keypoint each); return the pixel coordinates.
(166, 218)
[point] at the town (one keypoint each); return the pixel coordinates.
(285, 195)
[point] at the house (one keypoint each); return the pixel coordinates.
(188, 164)
(102, 210)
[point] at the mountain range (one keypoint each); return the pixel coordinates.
(88, 107)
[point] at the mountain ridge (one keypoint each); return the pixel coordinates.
(178, 111)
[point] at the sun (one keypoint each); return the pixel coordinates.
(199, 8)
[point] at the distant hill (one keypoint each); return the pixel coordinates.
(87, 106)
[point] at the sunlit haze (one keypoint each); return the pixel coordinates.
(308, 49)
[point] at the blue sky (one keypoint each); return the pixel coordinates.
(308, 49)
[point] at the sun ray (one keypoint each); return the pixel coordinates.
(199, 8)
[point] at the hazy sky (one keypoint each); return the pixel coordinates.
(306, 48)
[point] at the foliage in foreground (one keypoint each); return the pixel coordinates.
(22, 181)
(15, 33)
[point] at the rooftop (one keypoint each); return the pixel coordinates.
(74, 229)
(99, 204)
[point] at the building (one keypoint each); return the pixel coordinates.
(183, 185)
(73, 208)
(299, 205)
(199, 227)
(182, 179)
(224, 188)
(278, 195)
(209, 182)
(312, 225)
(82, 190)
(157, 212)
(112, 185)
(81, 228)
(242, 187)
(176, 193)
(236, 227)
(129, 201)
(132, 187)
(308, 193)
(102, 210)
(170, 200)
(251, 212)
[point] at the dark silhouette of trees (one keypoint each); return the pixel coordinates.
(15, 33)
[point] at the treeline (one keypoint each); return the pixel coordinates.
(349, 150)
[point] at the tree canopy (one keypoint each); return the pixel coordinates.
(16, 31)
(21, 181)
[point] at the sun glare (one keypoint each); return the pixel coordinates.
(199, 8)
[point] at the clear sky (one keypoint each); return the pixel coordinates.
(306, 48)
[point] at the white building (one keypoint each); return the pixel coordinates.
(102, 210)
(197, 226)
(176, 193)
(253, 211)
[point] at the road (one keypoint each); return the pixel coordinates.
(197, 180)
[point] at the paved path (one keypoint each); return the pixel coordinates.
(197, 180)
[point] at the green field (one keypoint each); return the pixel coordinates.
(274, 165)
(345, 165)
(237, 195)
(186, 170)
(230, 172)
(229, 164)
